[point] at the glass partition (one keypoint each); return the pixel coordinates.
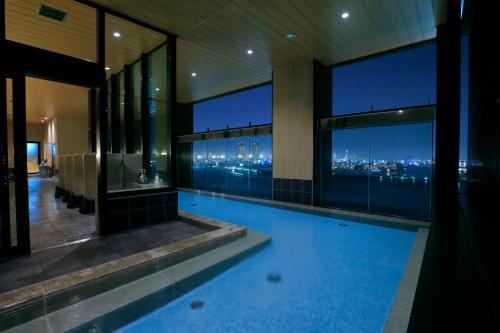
(159, 117)
(347, 184)
(401, 170)
(380, 163)
(120, 95)
(136, 65)
(239, 165)
(136, 107)
(108, 112)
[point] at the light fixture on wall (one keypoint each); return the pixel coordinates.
(345, 15)
(157, 89)
(249, 51)
(107, 68)
(116, 34)
(193, 74)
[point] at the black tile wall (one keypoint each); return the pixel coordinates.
(292, 190)
(138, 210)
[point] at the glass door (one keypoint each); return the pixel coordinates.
(14, 220)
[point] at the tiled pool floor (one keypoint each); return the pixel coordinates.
(335, 276)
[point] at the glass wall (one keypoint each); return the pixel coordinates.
(379, 156)
(401, 79)
(239, 166)
(108, 112)
(228, 160)
(384, 169)
(136, 93)
(159, 118)
(120, 92)
(251, 106)
(136, 161)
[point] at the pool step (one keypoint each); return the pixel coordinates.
(27, 303)
(115, 308)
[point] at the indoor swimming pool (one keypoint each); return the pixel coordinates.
(319, 274)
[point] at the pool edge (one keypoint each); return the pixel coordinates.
(400, 312)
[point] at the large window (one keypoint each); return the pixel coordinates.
(228, 160)
(240, 165)
(385, 167)
(252, 106)
(401, 79)
(379, 156)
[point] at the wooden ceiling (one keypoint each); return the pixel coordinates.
(50, 99)
(76, 35)
(215, 35)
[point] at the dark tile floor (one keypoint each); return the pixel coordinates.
(46, 264)
(51, 221)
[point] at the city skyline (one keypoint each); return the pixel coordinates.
(396, 80)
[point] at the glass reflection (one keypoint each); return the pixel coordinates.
(239, 166)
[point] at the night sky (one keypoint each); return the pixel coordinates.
(396, 80)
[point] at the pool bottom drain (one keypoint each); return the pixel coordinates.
(274, 277)
(195, 305)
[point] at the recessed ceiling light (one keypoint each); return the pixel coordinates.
(45, 118)
(42, 120)
(291, 36)
(193, 74)
(117, 34)
(157, 89)
(345, 15)
(107, 68)
(249, 51)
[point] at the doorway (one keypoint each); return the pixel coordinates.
(47, 121)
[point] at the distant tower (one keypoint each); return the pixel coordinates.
(346, 155)
(239, 149)
(255, 149)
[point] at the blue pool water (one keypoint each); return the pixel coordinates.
(334, 279)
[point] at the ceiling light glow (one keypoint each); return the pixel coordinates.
(107, 68)
(291, 36)
(345, 15)
(249, 51)
(193, 74)
(116, 34)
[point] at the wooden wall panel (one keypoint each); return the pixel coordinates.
(293, 121)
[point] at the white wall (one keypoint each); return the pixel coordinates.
(34, 132)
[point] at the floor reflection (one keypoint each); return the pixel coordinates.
(51, 222)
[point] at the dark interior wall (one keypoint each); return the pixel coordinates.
(480, 205)
(484, 103)
(459, 284)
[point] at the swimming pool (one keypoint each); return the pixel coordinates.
(336, 276)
